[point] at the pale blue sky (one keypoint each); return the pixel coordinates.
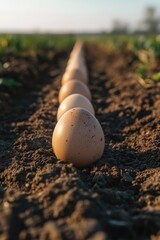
(69, 15)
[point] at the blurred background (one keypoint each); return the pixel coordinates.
(80, 16)
(40, 29)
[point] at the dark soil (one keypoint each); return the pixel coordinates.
(116, 198)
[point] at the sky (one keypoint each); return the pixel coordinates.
(70, 15)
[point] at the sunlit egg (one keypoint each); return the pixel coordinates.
(73, 101)
(82, 140)
(74, 86)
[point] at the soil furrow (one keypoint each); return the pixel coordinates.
(116, 198)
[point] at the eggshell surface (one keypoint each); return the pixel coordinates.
(77, 64)
(74, 86)
(73, 101)
(78, 138)
(77, 50)
(75, 73)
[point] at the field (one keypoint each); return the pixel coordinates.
(116, 198)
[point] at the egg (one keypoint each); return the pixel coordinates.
(77, 64)
(74, 73)
(73, 101)
(78, 138)
(77, 53)
(77, 49)
(73, 86)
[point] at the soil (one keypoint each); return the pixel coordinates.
(116, 198)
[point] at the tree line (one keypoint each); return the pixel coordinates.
(149, 24)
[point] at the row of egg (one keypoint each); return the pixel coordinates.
(78, 137)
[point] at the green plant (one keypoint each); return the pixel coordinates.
(9, 82)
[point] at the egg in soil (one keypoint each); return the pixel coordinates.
(78, 138)
(77, 53)
(74, 73)
(77, 65)
(73, 101)
(77, 57)
(71, 87)
(77, 50)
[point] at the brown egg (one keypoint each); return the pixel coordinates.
(74, 86)
(74, 73)
(77, 49)
(78, 138)
(73, 101)
(77, 53)
(77, 64)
